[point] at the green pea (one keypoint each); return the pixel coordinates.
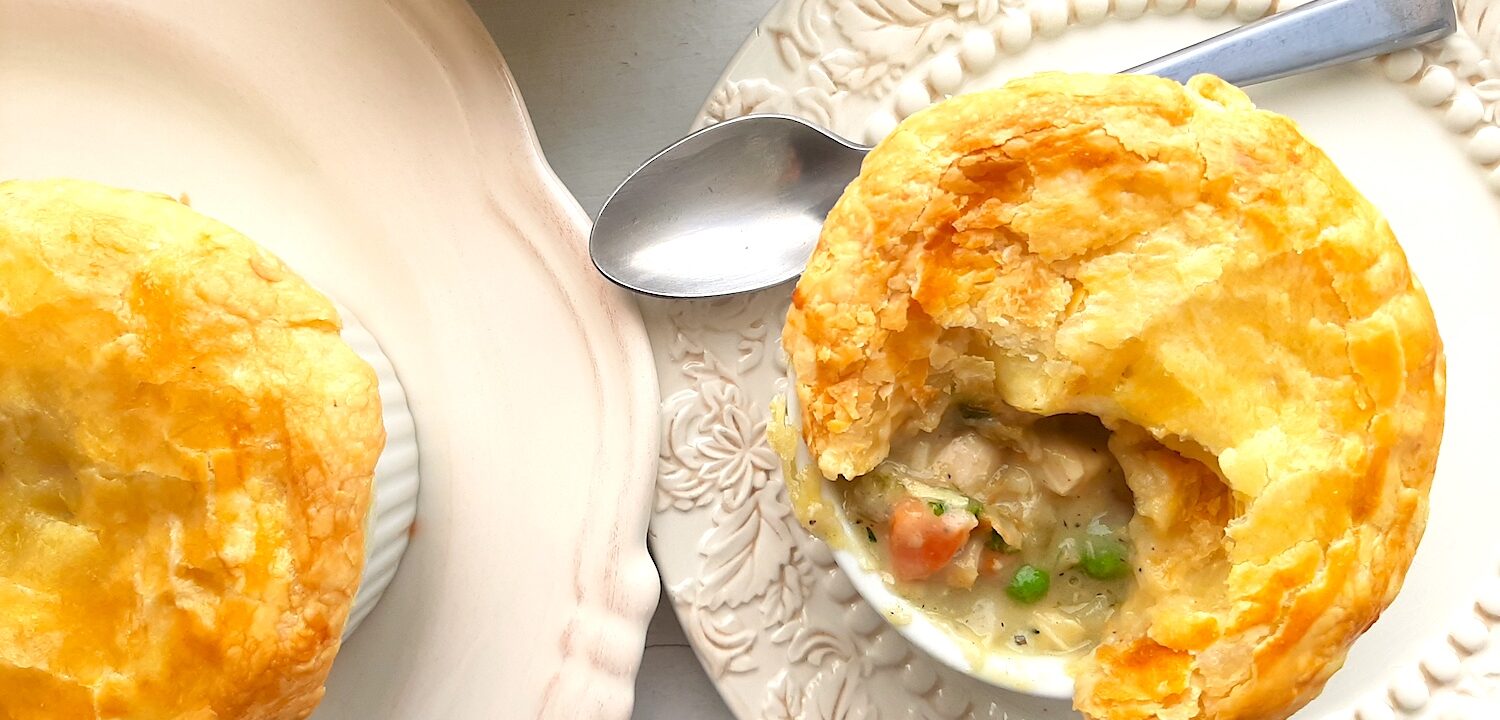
(1103, 558)
(937, 506)
(1028, 585)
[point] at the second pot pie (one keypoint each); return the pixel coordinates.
(186, 454)
(1265, 371)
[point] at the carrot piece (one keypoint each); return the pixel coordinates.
(923, 542)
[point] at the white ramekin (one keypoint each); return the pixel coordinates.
(393, 504)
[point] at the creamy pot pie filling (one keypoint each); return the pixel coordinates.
(1011, 528)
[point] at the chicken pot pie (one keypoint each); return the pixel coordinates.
(1143, 335)
(186, 452)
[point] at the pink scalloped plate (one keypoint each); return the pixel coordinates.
(381, 148)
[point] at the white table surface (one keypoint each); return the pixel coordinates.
(608, 83)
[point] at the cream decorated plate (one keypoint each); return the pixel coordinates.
(380, 147)
(782, 631)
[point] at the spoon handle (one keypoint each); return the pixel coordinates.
(1312, 36)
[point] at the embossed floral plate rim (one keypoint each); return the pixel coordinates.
(778, 628)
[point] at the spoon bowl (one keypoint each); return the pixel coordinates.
(732, 208)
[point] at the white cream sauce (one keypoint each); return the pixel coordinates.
(1046, 492)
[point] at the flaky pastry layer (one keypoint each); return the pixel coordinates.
(186, 453)
(1197, 274)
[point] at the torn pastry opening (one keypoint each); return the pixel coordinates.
(1009, 527)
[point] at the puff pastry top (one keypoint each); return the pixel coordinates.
(186, 452)
(1197, 274)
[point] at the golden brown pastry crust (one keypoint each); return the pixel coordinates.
(186, 452)
(1196, 273)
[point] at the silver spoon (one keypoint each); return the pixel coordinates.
(737, 207)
